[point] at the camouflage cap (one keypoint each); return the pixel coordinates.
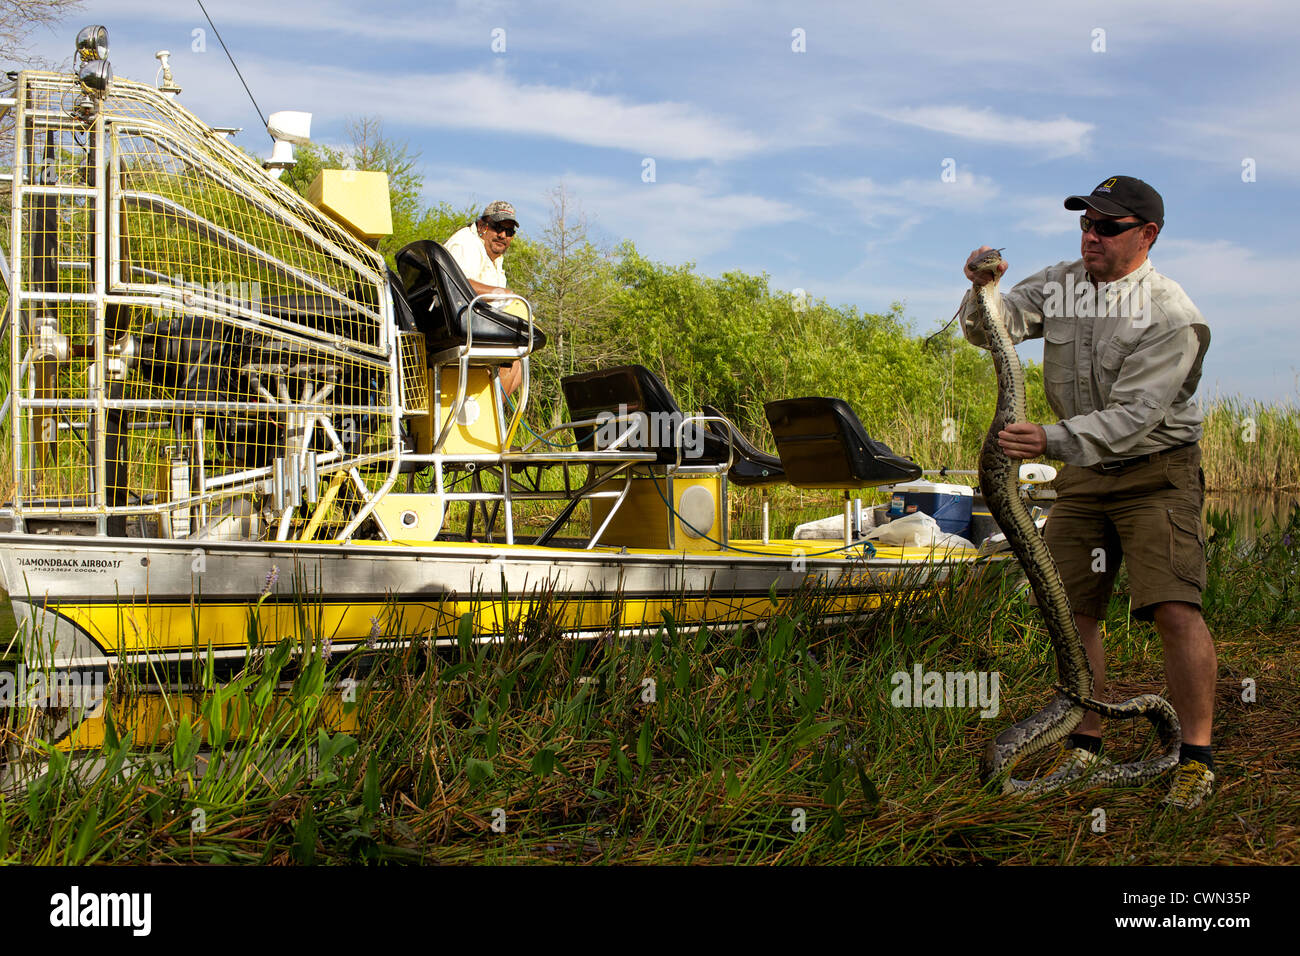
(499, 211)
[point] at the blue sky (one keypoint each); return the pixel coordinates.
(823, 167)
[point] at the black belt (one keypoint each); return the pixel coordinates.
(1108, 466)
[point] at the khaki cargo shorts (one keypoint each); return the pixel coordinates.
(1148, 514)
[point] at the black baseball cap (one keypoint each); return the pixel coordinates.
(1123, 196)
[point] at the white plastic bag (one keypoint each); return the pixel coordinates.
(917, 530)
(832, 528)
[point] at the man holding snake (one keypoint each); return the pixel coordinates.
(1121, 361)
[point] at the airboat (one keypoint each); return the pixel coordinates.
(221, 400)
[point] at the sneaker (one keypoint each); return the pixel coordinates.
(1193, 782)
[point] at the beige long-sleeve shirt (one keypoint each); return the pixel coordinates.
(1121, 360)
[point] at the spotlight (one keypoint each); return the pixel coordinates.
(93, 70)
(94, 76)
(92, 43)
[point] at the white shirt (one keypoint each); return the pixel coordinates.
(471, 255)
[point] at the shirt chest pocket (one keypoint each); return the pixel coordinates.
(1058, 351)
(1110, 358)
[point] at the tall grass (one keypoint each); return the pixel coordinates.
(1251, 446)
(686, 745)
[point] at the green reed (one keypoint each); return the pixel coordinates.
(686, 744)
(1251, 446)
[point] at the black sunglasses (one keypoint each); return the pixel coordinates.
(1107, 228)
(504, 230)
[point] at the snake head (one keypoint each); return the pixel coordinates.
(986, 262)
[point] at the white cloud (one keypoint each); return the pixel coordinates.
(1227, 134)
(490, 102)
(1053, 138)
(1219, 267)
(494, 102)
(1044, 215)
(669, 221)
(302, 18)
(472, 100)
(898, 207)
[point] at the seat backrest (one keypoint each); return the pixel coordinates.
(628, 389)
(822, 444)
(440, 294)
(751, 466)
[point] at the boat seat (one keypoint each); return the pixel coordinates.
(751, 467)
(402, 311)
(439, 295)
(822, 444)
(326, 314)
(628, 389)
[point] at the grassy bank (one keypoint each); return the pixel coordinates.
(689, 746)
(1251, 446)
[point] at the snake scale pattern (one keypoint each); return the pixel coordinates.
(999, 480)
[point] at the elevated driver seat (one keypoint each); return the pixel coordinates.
(440, 295)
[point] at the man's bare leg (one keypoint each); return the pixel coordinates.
(1191, 666)
(1091, 634)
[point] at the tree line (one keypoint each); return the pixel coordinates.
(732, 341)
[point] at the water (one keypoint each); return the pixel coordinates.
(1254, 513)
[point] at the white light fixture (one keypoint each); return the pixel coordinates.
(287, 128)
(165, 82)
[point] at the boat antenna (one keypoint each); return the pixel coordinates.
(232, 63)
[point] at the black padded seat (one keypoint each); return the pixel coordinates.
(439, 295)
(752, 466)
(626, 389)
(324, 313)
(401, 307)
(822, 444)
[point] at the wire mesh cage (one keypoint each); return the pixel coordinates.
(7, 116)
(194, 347)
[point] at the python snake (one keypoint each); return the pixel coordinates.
(999, 480)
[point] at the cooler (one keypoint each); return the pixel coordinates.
(950, 505)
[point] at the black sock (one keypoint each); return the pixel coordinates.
(1193, 752)
(1086, 742)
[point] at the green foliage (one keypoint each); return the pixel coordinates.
(736, 343)
(1249, 445)
(772, 746)
(731, 341)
